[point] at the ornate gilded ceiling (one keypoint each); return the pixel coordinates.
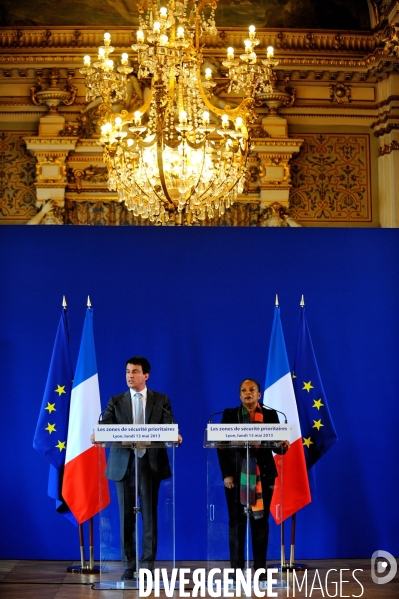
(308, 14)
(338, 59)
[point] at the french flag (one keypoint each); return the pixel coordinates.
(291, 491)
(85, 489)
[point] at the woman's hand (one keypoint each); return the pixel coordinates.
(229, 482)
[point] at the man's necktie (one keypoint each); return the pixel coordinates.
(139, 417)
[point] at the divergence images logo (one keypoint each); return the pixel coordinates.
(383, 563)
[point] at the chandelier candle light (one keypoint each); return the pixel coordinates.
(178, 152)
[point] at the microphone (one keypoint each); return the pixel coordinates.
(103, 412)
(212, 415)
(269, 408)
(165, 410)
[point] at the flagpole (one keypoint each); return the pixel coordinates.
(293, 519)
(286, 565)
(292, 565)
(82, 548)
(91, 541)
(292, 549)
(83, 568)
(316, 443)
(56, 401)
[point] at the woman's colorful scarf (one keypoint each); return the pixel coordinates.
(250, 473)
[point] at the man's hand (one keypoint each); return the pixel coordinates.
(229, 482)
(179, 439)
(285, 445)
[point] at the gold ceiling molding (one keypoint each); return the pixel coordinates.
(328, 105)
(309, 115)
(387, 116)
(80, 158)
(387, 7)
(87, 143)
(19, 102)
(367, 46)
(73, 189)
(275, 187)
(292, 61)
(267, 141)
(388, 148)
(49, 140)
(356, 64)
(387, 101)
(34, 113)
(97, 196)
(40, 39)
(387, 129)
(50, 185)
(297, 40)
(40, 58)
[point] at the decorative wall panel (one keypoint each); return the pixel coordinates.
(17, 177)
(331, 183)
(114, 213)
(331, 179)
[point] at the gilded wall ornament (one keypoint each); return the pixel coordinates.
(340, 93)
(391, 40)
(53, 95)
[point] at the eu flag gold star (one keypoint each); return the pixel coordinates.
(317, 404)
(293, 375)
(60, 390)
(61, 445)
(50, 407)
(308, 441)
(50, 428)
(307, 386)
(317, 424)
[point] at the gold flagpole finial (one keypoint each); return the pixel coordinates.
(276, 304)
(88, 301)
(64, 304)
(302, 304)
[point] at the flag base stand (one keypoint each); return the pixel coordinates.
(83, 570)
(133, 585)
(287, 567)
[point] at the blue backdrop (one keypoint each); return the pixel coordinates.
(198, 302)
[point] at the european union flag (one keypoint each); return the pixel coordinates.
(52, 426)
(318, 431)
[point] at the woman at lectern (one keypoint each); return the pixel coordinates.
(262, 473)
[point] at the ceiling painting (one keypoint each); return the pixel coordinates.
(281, 14)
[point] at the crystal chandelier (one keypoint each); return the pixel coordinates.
(178, 152)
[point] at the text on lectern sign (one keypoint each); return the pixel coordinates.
(136, 432)
(249, 432)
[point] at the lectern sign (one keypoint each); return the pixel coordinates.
(136, 432)
(248, 432)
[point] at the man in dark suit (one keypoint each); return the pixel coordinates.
(233, 466)
(138, 405)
